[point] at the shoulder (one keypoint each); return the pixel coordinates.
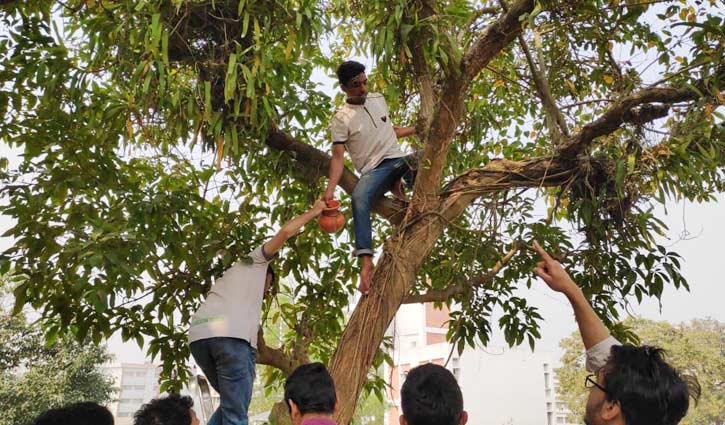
(343, 115)
(376, 98)
(598, 354)
(258, 256)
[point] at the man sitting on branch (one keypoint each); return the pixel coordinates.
(363, 128)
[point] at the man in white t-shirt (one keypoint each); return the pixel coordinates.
(363, 128)
(630, 385)
(223, 331)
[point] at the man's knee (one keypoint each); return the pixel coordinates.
(360, 199)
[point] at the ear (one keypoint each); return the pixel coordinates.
(337, 406)
(611, 410)
(402, 421)
(294, 410)
(464, 418)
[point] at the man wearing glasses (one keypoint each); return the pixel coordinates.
(630, 385)
(363, 128)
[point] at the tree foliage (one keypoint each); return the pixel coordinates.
(695, 348)
(38, 374)
(163, 140)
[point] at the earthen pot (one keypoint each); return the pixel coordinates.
(331, 220)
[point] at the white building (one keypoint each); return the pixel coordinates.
(499, 385)
(137, 383)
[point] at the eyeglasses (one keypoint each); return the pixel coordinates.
(589, 382)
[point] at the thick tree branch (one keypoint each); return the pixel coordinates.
(441, 295)
(554, 119)
(274, 356)
(427, 91)
(423, 73)
(451, 104)
(494, 38)
(623, 111)
(501, 174)
(316, 163)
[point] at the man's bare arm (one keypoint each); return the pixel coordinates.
(290, 228)
(591, 327)
(337, 164)
(401, 132)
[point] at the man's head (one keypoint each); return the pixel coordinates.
(309, 392)
(353, 81)
(637, 387)
(171, 410)
(431, 396)
(83, 413)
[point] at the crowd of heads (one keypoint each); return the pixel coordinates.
(635, 387)
(84, 413)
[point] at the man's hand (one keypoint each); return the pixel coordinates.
(591, 327)
(337, 165)
(319, 205)
(329, 195)
(551, 272)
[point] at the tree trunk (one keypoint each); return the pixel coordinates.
(393, 277)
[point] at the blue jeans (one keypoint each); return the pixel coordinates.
(372, 185)
(228, 364)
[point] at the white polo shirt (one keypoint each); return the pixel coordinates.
(233, 305)
(367, 133)
(599, 353)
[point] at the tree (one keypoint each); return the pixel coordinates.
(36, 375)
(158, 134)
(696, 348)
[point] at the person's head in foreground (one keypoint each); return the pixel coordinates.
(310, 393)
(83, 413)
(637, 387)
(431, 396)
(170, 410)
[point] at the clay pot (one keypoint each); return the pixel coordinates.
(331, 220)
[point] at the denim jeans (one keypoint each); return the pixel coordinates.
(372, 185)
(228, 364)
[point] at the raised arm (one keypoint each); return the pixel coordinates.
(290, 228)
(337, 163)
(401, 132)
(591, 327)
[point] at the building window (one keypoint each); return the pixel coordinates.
(456, 366)
(550, 418)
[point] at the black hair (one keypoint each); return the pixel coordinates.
(270, 270)
(170, 410)
(348, 70)
(647, 389)
(312, 389)
(82, 413)
(431, 396)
